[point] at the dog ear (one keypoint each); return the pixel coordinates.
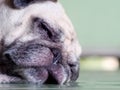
(23, 3)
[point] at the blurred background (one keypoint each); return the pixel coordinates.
(97, 23)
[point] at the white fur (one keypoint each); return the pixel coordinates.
(53, 13)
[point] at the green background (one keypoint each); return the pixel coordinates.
(97, 22)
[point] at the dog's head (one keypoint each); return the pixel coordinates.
(38, 39)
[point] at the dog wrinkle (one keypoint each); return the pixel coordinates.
(57, 56)
(42, 28)
(1, 46)
(30, 55)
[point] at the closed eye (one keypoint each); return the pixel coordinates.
(46, 30)
(43, 28)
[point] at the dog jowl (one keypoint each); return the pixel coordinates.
(38, 43)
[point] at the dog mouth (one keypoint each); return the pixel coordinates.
(36, 64)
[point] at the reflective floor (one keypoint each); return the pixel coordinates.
(87, 81)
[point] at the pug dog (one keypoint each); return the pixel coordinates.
(38, 43)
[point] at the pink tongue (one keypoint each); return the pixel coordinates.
(58, 73)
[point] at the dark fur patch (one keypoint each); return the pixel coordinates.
(23, 3)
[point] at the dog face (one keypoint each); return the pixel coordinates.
(38, 43)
